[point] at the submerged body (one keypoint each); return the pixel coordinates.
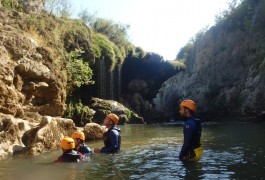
(112, 141)
(84, 149)
(112, 138)
(192, 149)
(70, 156)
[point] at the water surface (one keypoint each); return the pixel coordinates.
(231, 151)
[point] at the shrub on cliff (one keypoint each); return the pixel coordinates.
(80, 113)
(79, 72)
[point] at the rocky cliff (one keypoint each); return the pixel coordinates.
(31, 80)
(34, 56)
(225, 69)
(32, 86)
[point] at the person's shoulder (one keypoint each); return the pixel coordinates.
(86, 149)
(115, 131)
(190, 123)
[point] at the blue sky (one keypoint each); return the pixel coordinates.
(161, 26)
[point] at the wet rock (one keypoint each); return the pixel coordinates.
(104, 107)
(48, 134)
(11, 132)
(94, 131)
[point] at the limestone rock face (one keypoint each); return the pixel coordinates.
(21, 136)
(48, 134)
(224, 75)
(31, 84)
(32, 6)
(11, 133)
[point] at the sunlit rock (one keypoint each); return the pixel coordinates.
(48, 134)
(94, 131)
(11, 132)
(104, 107)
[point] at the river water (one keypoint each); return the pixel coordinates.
(231, 151)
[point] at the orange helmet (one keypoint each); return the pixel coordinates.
(113, 117)
(189, 104)
(79, 135)
(67, 143)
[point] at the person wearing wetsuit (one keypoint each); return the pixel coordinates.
(112, 138)
(191, 149)
(69, 154)
(79, 138)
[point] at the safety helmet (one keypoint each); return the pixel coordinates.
(67, 143)
(113, 117)
(189, 104)
(79, 135)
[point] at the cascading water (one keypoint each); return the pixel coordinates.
(101, 85)
(108, 83)
(117, 77)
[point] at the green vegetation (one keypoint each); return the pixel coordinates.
(248, 15)
(76, 45)
(80, 113)
(116, 32)
(103, 48)
(110, 41)
(11, 4)
(60, 8)
(79, 72)
(186, 51)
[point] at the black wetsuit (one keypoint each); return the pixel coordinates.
(84, 149)
(112, 141)
(192, 136)
(70, 156)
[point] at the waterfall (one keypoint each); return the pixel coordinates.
(117, 88)
(101, 80)
(108, 83)
(114, 83)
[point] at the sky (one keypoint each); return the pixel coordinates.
(160, 26)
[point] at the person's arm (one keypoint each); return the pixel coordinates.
(114, 138)
(85, 150)
(187, 140)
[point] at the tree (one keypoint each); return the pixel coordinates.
(58, 7)
(116, 32)
(87, 17)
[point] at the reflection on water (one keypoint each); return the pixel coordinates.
(231, 151)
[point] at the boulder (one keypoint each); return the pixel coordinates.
(11, 133)
(48, 134)
(104, 107)
(94, 131)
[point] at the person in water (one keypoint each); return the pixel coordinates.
(79, 138)
(112, 138)
(191, 149)
(69, 154)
